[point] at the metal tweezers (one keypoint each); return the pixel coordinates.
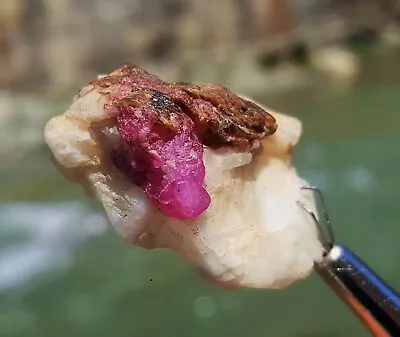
(371, 299)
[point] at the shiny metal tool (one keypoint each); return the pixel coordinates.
(371, 299)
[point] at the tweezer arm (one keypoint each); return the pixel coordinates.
(367, 295)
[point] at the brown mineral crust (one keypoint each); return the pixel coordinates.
(130, 76)
(236, 120)
(220, 117)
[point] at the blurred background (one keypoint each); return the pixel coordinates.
(332, 63)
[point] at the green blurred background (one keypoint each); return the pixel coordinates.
(333, 64)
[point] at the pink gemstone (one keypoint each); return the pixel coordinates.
(184, 199)
(167, 165)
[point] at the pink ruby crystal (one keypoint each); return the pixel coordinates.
(166, 163)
